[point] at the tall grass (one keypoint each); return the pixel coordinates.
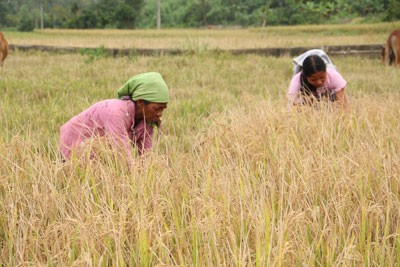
(234, 179)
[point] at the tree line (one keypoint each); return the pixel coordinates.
(129, 14)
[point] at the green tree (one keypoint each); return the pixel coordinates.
(393, 12)
(88, 19)
(191, 13)
(4, 10)
(26, 21)
(126, 14)
(196, 13)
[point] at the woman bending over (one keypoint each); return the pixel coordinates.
(315, 82)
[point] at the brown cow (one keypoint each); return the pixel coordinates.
(3, 48)
(391, 50)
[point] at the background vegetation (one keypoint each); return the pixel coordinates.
(128, 14)
(234, 178)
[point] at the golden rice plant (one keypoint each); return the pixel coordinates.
(235, 179)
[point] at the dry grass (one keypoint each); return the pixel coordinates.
(205, 39)
(234, 180)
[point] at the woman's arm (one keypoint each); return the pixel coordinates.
(117, 134)
(342, 98)
(293, 94)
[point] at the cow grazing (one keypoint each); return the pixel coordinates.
(3, 48)
(391, 50)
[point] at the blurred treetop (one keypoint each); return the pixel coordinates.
(130, 14)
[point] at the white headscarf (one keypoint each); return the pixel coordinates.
(298, 61)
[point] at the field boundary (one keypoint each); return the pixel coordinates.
(370, 50)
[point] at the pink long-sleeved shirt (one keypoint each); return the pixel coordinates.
(113, 118)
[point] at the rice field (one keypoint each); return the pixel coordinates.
(234, 178)
(210, 39)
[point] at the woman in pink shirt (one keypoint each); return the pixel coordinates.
(125, 121)
(316, 82)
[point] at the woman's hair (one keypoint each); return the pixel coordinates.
(311, 65)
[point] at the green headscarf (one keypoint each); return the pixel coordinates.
(148, 86)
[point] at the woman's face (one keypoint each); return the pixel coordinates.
(152, 112)
(317, 79)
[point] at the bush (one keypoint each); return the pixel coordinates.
(26, 25)
(393, 12)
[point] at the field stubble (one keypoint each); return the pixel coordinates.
(210, 39)
(234, 179)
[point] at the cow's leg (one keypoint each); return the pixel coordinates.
(387, 55)
(395, 47)
(396, 53)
